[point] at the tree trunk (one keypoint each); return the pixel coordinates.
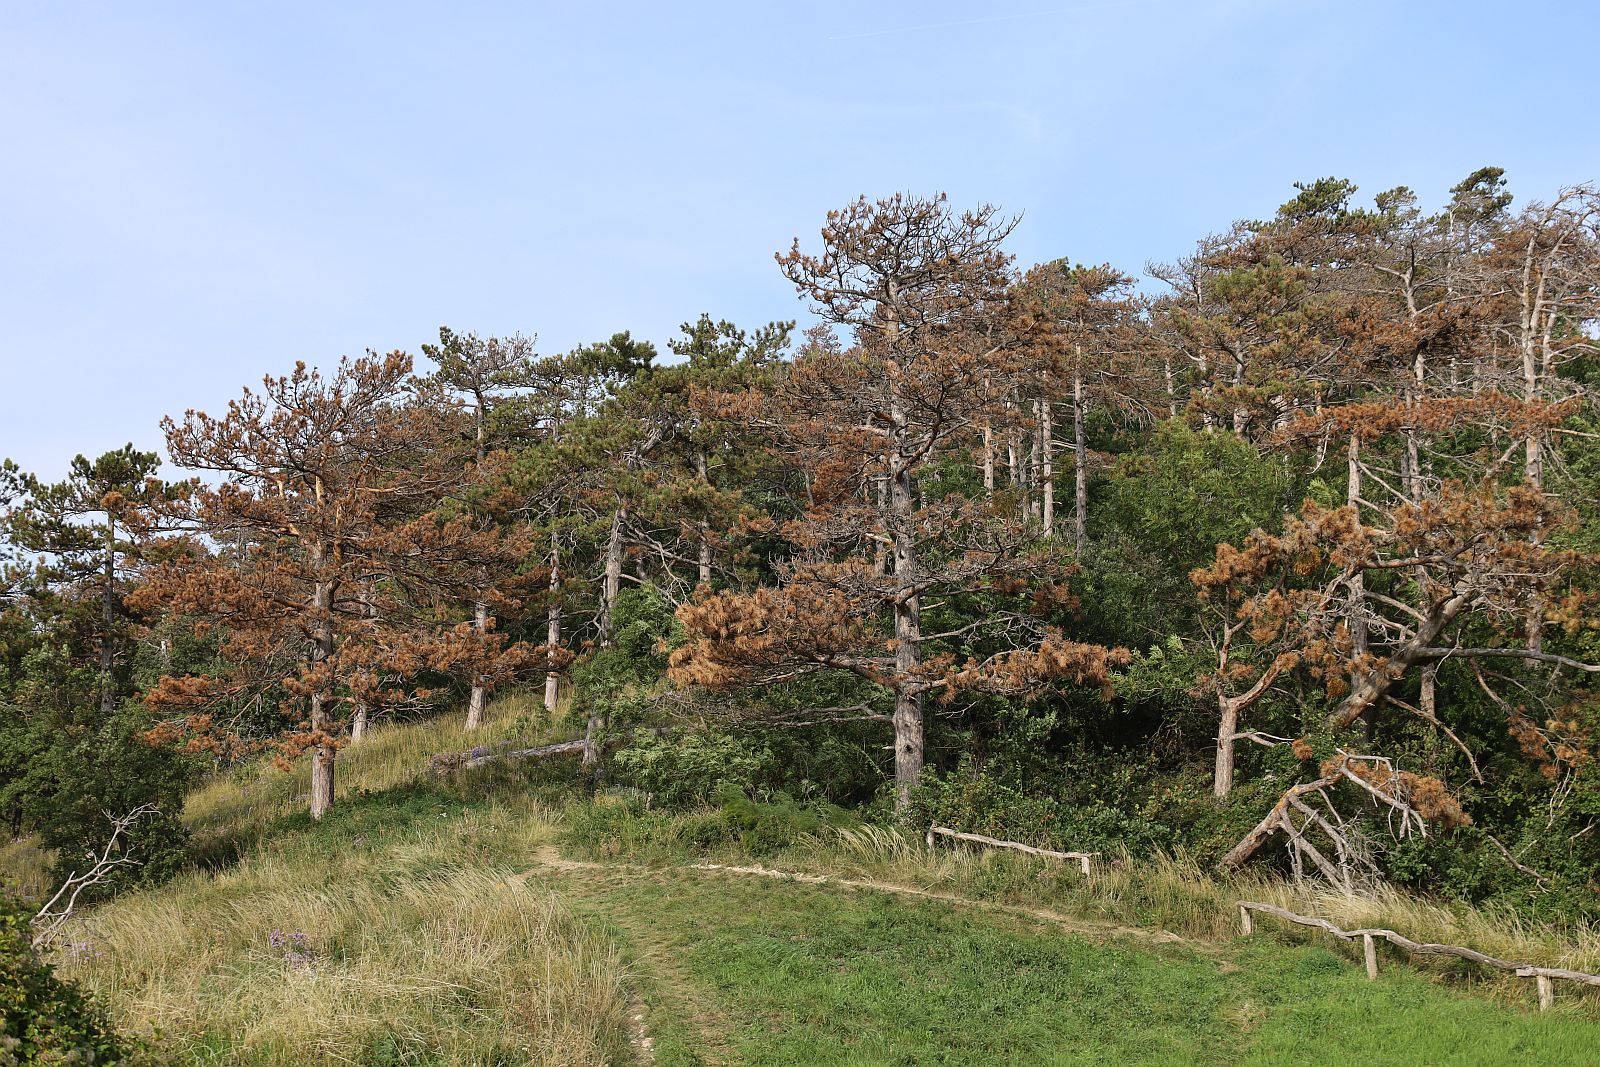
(1013, 447)
(324, 751)
(705, 527)
(908, 744)
(1047, 465)
(552, 680)
(1080, 470)
(1358, 589)
(475, 702)
(613, 578)
(1227, 727)
(613, 586)
(1533, 474)
(880, 552)
(988, 459)
(108, 623)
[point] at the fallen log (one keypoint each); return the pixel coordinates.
(1544, 975)
(477, 757)
(1082, 858)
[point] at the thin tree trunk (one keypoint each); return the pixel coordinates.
(1227, 727)
(1013, 447)
(323, 752)
(360, 712)
(609, 593)
(880, 552)
(477, 699)
(1080, 470)
(480, 610)
(108, 623)
(1358, 589)
(552, 680)
(988, 459)
(1240, 416)
(705, 527)
(1533, 473)
(1047, 466)
(908, 741)
(613, 576)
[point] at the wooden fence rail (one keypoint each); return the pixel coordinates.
(1543, 976)
(1082, 858)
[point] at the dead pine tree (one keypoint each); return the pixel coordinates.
(925, 293)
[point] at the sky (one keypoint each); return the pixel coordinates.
(195, 195)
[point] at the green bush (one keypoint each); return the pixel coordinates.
(764, 827)
(44, 1019)
(686, 767)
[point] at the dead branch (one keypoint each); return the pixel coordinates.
(1432, 719)
(1082, 858)
(477, 757)
(1540, 879)
(1509, 653)
(1425, 948)
(1272, 822)
(49, 920)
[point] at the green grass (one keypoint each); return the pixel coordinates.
(436, 932)
(228, 812)
(764, 972)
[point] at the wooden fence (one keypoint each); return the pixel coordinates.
(1082, 858)
(1544, 976)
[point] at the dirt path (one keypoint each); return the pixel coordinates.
(668, 1009)
(548, 856)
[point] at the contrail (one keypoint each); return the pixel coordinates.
(946, 25)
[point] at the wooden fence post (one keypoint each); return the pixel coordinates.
(1370, 948)
(1547, 992)
(1247, 925)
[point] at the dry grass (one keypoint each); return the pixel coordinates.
(412, 949)
(25, 869)
(245, 800)
(1177, 894)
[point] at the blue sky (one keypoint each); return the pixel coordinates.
(192, 195)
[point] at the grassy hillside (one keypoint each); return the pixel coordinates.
(497, 917)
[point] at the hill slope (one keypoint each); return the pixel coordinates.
(469, 921)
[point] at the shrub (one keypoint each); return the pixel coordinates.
(763, 827)
(43, 1018)
(687, 767)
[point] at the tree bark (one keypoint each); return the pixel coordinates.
(552, 680)
(610, 591)
(988, 459)
(1080, 470)
(908, 687)
(613, 576)
(1227, 727)
(1358, 588)
(880, 552)
(108, 622)
(323, 752)
(1047, 466)
(705, 527)
(478, 697)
